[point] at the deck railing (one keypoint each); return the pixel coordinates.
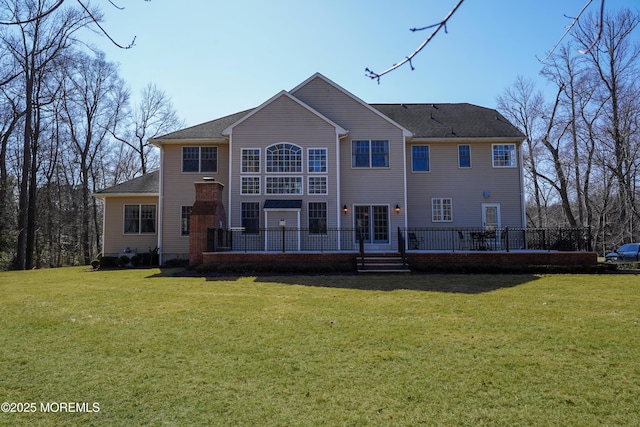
(409, 239)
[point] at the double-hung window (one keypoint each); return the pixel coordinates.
(464, 156)
(420, 158)
(139, 219)
(504, 155)
(250, 160)
(370, 153)
(441, 210)
(200, 159)
(317, 165)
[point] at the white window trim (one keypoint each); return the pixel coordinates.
(310, 177)
(514, 157)
(441, 199)
(470, 157)
(302, 159)
(259, 160)
(326, 156)
(291, 177)
(242, 193)
(429, 149)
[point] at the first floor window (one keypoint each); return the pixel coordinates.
(419, 158)
(318, 218)
(317, 185)
(139, 219)
(250, 185)
(185, 220)
(504, 155)
(250, 212)
(441, 210)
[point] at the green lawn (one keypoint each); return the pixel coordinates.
(151, 349)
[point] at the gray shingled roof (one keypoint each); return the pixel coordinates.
(212, 129)
(423, 120)
(449, 120)
(145, 184)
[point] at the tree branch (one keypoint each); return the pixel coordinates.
(443, 24)
(86, 9)
(570, 27)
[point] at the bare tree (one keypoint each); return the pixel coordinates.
(616, 67)
(523, 105)
(92, 102)
(153, 116)
(35, 44)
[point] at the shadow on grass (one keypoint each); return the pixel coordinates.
(450, 283)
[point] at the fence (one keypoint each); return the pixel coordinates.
(502, 239)
(411, 239)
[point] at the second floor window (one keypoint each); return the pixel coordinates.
(464, 156)
(284, 158)
(284, 185)
(419, 158)
(199, 159)
(504, 155)
(370, 154)
(317, 158)
(250, 160)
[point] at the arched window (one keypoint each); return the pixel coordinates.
(283, 158)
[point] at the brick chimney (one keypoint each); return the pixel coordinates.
(207, 212)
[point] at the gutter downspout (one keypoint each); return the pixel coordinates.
(230, 181)
(338, 186)
(161, 205)
(522, 201)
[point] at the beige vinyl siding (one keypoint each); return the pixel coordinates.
(115, 240)
(284, 121)
(465, 186)
(179, 191)
(362, 186)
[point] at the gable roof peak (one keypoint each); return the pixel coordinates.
(283, 93)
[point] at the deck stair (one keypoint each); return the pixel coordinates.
(382, 263)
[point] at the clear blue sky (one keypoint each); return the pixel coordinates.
(214, 58)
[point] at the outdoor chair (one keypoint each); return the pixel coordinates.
(414, 242)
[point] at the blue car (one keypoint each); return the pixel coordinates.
(625, 253)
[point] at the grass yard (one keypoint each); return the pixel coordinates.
(150, 349)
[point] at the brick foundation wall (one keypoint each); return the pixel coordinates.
(499, 258)
(278, 257)
(507, 258)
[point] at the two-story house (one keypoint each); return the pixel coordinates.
(320, 161)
